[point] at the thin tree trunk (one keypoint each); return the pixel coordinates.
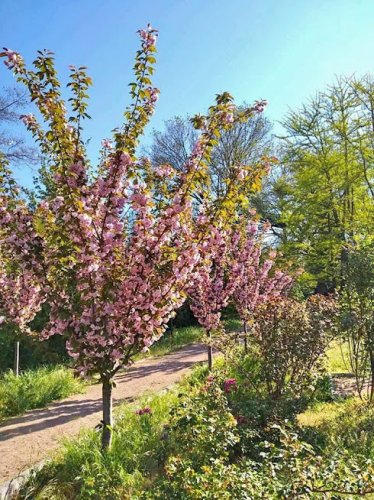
(210, 352)
(16, 359)
(245, 337)
(371, 397)
(106, 437)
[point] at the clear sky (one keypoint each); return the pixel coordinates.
(281, 50)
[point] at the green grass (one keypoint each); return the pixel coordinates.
(171, 341)
(80, 470)
(35, 389)
(337, 358)
(342, 425)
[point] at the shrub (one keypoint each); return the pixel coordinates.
(290, 338)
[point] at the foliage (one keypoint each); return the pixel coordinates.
(35, 389)
(33, 353)
(327, 174)
(291, 338)
(357, 314)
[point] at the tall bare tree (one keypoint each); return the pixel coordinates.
(13, 103)
(242, 145)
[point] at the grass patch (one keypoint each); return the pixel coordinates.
(35, 389)
(343, 425)
(171, 341)
(337, 358)
(321, 413)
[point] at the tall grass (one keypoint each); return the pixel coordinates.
(35, 389)
(82, 471)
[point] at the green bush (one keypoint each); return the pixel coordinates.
(205, 440)
(35, 389)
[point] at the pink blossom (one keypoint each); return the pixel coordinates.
(107, 144)
(13, 60)
(230, 385)
(144, 411)
(28, 119)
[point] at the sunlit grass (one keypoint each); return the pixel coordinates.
(36, 388)
(337, 358)
(172, 341)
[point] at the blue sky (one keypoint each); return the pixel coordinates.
(281, 50)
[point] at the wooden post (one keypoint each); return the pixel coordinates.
(16, 358)
(210, 352)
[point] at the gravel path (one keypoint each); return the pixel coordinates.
(26, 440)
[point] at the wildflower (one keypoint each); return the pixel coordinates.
(144, 411)
(230, 385)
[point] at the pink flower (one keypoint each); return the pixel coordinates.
(144, 411)
(107, 144)
(28, 119)
(148, 35)
(230, 385)
(14, 58)
(259, 106)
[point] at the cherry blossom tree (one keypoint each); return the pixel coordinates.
(117, 244)
(215, 281)
(21, 276)
(256, 282)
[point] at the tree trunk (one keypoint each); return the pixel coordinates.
(210, 352)
(371, 397)
(245, 337)
(106, 437)
(16, 359)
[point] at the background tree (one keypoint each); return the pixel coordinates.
(325, 190)
(13, 146)
(243, 144)
(357, 314)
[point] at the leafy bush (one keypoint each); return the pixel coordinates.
(35, 389)
(290, 338)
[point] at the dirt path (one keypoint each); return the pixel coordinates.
(26, 440)
(345, 385)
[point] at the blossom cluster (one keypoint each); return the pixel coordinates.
(256, 283)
